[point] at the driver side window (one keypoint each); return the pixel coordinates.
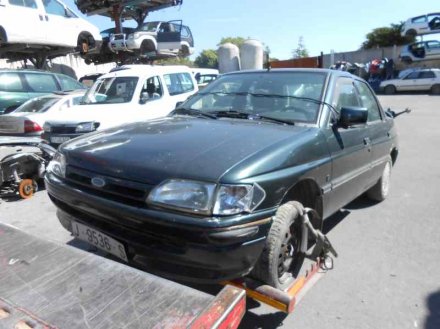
(345, 94)
(152, 89)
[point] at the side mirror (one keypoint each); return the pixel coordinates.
(351, 115)
(144, 98)
(178, 104)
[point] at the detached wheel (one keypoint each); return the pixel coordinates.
(390, 90)
(281, 259)
(435, 90)
(27, 188)
(380, 190)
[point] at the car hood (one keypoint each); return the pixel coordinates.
(108, 115)
(175, 147)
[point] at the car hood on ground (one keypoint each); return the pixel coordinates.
(177, 147)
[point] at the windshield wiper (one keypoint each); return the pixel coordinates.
(271, 119)
(232, 114)
(193, 112)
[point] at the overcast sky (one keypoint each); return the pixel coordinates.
(324, 25)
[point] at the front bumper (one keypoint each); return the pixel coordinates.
(56, 140)
(172, 245)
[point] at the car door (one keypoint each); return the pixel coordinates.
(58, 22)
(24, 21)
(168, 36)
(410, 82)
(378, 130)
(350, 149)
(432, 49)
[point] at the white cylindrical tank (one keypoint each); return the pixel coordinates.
(252, 55)
(228, 58)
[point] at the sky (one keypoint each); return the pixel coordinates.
(324, 25)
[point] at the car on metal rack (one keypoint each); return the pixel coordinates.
(212, 191)
(156, 38)
(420, 51)
(45, 23)
(419, 25)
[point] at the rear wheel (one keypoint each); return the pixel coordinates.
(147, 46)
(435, 90)
(390, 90)
(411, 33)
(281, 259)
(380, 190)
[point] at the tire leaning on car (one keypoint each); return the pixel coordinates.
(380, 190)
(281, 259)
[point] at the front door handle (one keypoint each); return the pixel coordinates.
(47, 17)
(41, 17)
(367, 141)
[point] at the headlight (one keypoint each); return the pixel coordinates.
(85, 127)
(58, 165)
(207, 198)
(47, 127)
(134, 35)
(190, 196)
(234, 199)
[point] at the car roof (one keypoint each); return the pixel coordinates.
(141, 69)
(302, 70)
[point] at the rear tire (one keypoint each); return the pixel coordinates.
(380, 190)
(390, 90)
(281, 259)
(435, 90)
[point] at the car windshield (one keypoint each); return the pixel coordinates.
(111, 91)
(283, 96)
(149, 27)
(38, 105)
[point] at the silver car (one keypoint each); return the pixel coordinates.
(420, 51)
(416, 80)
(424, 24)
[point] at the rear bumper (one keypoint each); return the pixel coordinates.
(160, 242)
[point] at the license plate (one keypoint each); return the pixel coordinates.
(99, 240)
(59, 140)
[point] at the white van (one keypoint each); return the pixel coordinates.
(127, 94)
(45, 22)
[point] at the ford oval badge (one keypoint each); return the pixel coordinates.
(98, 182)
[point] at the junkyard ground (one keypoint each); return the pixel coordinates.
(387, 274)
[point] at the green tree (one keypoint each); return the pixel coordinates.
(300, 51)
(386, 37)
(208, 59)
(176, 61)
(238, 41)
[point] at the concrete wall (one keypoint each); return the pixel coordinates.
(364, 56)
(70, 65)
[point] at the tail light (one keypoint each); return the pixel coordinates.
(31, 127)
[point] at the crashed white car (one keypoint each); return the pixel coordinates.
(424, 24)
(45, 22)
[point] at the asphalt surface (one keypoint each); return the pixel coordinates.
(387, 274)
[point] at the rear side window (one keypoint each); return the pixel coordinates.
(426, 75)
(24, 3)
(420, 19)
(11, 82)
(179, 83)
(41, 83)
(67, 83)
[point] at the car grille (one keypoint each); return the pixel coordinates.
(119, 37)
(119, 190)
(62, 130)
